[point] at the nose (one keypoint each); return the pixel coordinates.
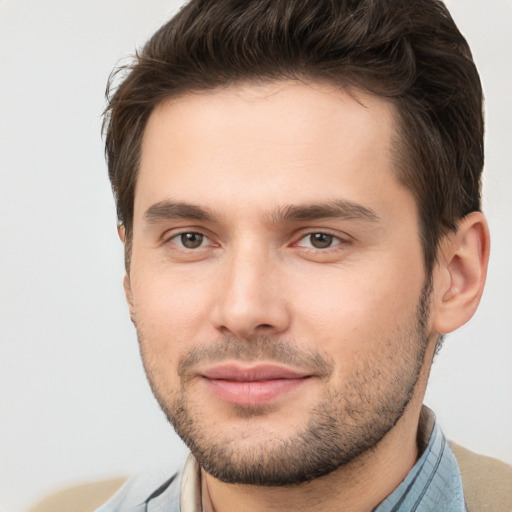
(251, 299)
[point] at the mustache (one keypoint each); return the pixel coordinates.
(261, 348)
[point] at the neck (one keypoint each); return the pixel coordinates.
(357, 487)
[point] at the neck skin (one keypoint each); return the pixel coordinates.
(358, 487)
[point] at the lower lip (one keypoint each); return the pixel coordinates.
(253, 393)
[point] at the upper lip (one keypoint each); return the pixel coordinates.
(259, 372)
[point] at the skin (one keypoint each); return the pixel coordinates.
(244, 155)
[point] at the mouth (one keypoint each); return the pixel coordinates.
(252, 385)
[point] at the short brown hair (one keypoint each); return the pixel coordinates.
(408, 51)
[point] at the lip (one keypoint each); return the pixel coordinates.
(252, 385)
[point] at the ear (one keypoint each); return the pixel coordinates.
(461, 273)
(129, 296)
(126, 280)
(121, 232)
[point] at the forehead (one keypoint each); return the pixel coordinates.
(281, 142)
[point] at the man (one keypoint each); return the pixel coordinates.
(298, 191)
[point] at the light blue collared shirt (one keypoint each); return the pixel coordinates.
(434, 483)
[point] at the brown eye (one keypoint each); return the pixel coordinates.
(191, 240)
(321, 240)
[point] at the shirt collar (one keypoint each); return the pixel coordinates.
(434, 483)
(190, 495)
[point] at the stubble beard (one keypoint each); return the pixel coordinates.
(346, 423)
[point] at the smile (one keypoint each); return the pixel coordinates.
(254, 386)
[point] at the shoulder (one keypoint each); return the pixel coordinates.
(487, 481)
(115, 495)
(137, 491)
(80, 498)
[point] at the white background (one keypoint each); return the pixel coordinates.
(74, 402)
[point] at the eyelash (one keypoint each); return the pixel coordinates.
(333, 240)
(330, 239)
(185, 233)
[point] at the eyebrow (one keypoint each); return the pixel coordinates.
(338, 209)
(169, 210)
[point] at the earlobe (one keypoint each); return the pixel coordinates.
(464, 258)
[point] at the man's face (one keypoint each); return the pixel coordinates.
(277, 280)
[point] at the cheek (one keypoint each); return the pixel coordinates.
(169, 309)
(354, 311)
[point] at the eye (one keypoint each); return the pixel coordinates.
(190, 240)
(319, 241)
